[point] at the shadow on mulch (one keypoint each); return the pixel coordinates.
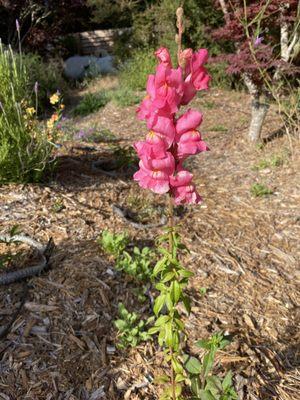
(63, 341)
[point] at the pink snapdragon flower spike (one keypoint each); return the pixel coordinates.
(171, 140)
(164, 57)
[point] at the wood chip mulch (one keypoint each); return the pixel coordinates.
(244, 252)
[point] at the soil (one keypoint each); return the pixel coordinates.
(244, 250)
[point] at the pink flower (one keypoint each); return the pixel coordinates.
(187, 137)
(183, 190)
(190, 143)
(189, 90)
(154, 174)
(199, 75)
(164, 57)
(190, 120)
(168, 89)
(182, 178)
(186, 195)
(145, 108)
(154, 147)
(162, 124)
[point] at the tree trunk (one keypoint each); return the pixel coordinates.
(258, 114)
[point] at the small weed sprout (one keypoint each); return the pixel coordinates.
(205, 385)
(277, 160)
(219, 128)
(136, 264)
(260, 190)
(132, 330)
(114, 244)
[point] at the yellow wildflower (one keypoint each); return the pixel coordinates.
(62, 106)
(54, 99)
(50, 124)
(30, 111)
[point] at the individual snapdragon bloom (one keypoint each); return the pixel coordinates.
(154, 174)
(197, 77)
(164, 57)
(187, 137)
(183, 189)
(155, 146)
(167, 89)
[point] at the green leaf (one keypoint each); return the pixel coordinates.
(120, 324)
(179, 378)
(154, 330)
(227, 381)
(187, 304)
(214, 384)
(169, 334)
(176, 291)
(184, 273)
(161, 287)
(159, 303)
(163, 319)
(192, 364)
(160, 266)
(168, 276)
(206, 395)
(195, 385)
(208, 362)
(169, 302)
(177, 366)
(203, 344)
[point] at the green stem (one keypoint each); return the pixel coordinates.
(171, 250)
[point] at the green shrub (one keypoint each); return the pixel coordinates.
(47, 74)
(91, 103)
(24, 148)
(133, 74)
(124, 97)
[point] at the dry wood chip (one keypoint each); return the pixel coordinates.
(34, 307)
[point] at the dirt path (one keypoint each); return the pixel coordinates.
(244, 251)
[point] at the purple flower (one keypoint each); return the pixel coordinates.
(80, 135)
(17, 25)
(258, 41)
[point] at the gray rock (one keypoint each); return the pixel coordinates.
(79, 67)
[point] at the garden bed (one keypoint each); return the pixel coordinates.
(243, 252)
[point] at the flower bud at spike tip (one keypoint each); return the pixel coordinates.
(36, 87)
(179, 12)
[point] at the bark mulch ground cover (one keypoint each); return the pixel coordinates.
(244, 252)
